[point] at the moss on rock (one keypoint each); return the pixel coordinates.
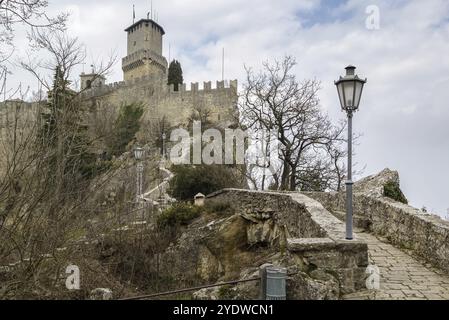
(393, 191)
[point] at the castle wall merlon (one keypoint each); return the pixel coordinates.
(220, 84)
(205, 87)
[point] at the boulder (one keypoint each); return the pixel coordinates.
(101, 294)
(374, 185)
(316, 286)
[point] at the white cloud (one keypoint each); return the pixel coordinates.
(404, 111)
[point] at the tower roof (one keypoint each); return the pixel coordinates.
(146, 21)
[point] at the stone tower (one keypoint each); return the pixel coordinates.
(91, 80)
(144, 54)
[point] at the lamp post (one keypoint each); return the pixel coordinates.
(164, 136)
(349, 89)
(138, 155)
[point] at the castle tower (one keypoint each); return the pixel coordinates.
(91, 80)
(144, 55)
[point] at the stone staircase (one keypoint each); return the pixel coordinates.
(158, 195)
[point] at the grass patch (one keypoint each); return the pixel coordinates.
(226, 293)
(218, 207)
(180, 214)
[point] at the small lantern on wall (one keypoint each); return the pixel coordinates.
(139, 153)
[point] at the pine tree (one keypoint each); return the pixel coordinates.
(54, 108)
(175, 74)
(126, 126)
(64, 136)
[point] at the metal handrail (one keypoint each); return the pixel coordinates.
(160, 294)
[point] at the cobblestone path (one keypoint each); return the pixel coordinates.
(402, 276)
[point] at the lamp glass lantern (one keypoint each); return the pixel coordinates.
(139, 153)
(350, 89)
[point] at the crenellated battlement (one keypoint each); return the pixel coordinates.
(195, 87)
(131, 61)
(103, 90)
(145, 77)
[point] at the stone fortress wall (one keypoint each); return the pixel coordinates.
(145, 77)
(160, 99)
(17, 123)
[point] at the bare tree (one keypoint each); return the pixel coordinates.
(152, 131)
(31, 14)
(200, 113)
(46, 174)
(275, 101)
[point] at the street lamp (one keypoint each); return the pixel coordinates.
(349, 89)
(138, 155)
(164, 136)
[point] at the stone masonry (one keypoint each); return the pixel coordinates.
(424, 234)
(402, 276)
(409, 246)
(314, 235)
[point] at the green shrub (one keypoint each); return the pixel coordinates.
(392, 191)
(180, 214)
(218, 207)
(175, 74)
(189, 180)
(226, 293)
(126, 126)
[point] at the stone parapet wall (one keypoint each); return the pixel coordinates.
(290, 213)
(426, 235)
(144, 54)
(156, 82)
(160, 99)
(313, 233)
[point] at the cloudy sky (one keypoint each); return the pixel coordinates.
(404, 114)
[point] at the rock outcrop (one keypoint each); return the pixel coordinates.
(287, 230)
(373, 185)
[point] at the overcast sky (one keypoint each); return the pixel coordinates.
(404, 112)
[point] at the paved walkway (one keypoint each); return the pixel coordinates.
(402, 276)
